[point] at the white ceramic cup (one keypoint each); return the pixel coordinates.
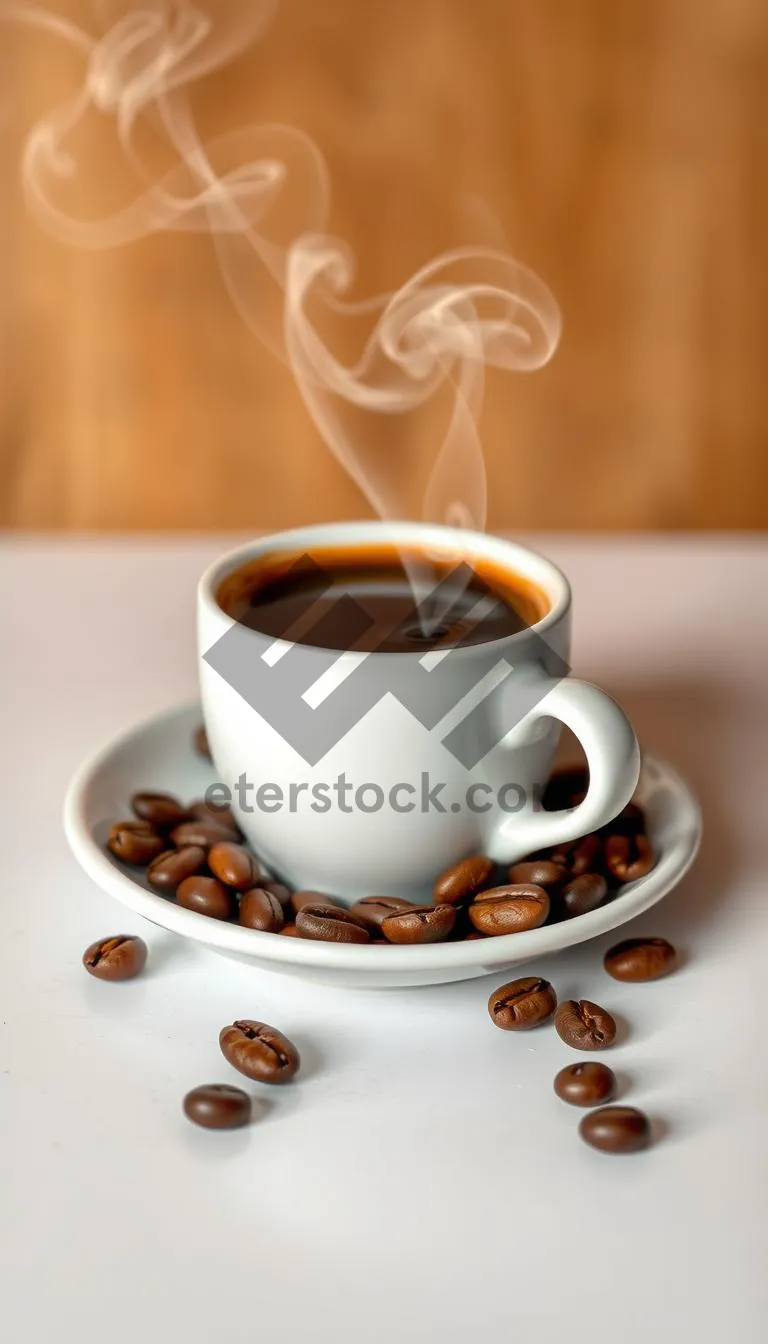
(396, 832)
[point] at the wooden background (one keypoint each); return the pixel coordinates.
(620, 143)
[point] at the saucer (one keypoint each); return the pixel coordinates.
(159, 754)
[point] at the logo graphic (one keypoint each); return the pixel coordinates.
(312, 696)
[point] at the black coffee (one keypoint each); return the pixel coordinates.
(377, 597)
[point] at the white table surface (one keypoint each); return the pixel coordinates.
(420, 1181)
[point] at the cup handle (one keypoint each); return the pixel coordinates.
(613, 757)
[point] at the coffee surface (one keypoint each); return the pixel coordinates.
(377, 597)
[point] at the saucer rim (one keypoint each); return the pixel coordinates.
(473, 954)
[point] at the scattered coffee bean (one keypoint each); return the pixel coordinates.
(522, 1003)
(330, 924)
(218, 1106)
(579, 856)
(584, 893)
(616, 1129)
(421, 924)
(373, 910)
(200, 742)
(301, 898)
(462, 881)
(511, 909)
(206, 896)
(203, 833)
(161, 810)
(259, 909)
(135, 842)
(259, 1051)
(638, 959)
(538, 873)
(277, 889)
(234, 864)
(628, 857)
(173, 865)
(118, 958)
(587, 1084)
(584, 1025)
(220, 814)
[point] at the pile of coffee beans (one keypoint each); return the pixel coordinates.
(532, 1001)
(195, 854)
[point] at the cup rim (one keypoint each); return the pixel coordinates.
(522, 559)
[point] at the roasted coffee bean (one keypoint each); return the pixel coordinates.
(117, 958)
(200, 742)
(630, 820)
(206, 896)
(373, 910)
(161, 810)
(330, 924)
(462, 881)
(234, 864)
(522, 1003)
(422, 924)
(259, 1051)
(579, 856)
(277, 889)
(584, 1025)
(587, 1084)
(566, 787)
(537, 872)
(135, 842)
(584, 893)
(219, 813)
(616, 1129)
(638, 959)
(628, 857)
(259, 909)
(289, 931)
(203, 833)
(173, 865)
(301, 898)
(218, 1106)
(511, 909)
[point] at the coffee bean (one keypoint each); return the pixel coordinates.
(117, 958)
(173, 865)
(638, 959)
(373, 910)
(537, 872)
(462, 881)
(616, 1129)
(579, 856)
(203, 833)
(218, 1106)
(566, 787)
(289, 931)
(161, 810)
(259, 909)
(301, 898)
(628, 857)
(422, 924)
(206, 896)
(234, 864)
(330, 924)
(259, 1051)
(277, 889)
(522, 1003)
(135, 842)
(219, 814)
(200, 742)
(584, 893)
(584, 1025)
(511, 909)
(588, 1084)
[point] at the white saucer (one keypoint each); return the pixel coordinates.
(159, 754)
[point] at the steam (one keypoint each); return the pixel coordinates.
(263, 195)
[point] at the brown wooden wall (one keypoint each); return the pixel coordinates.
(622, 145)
